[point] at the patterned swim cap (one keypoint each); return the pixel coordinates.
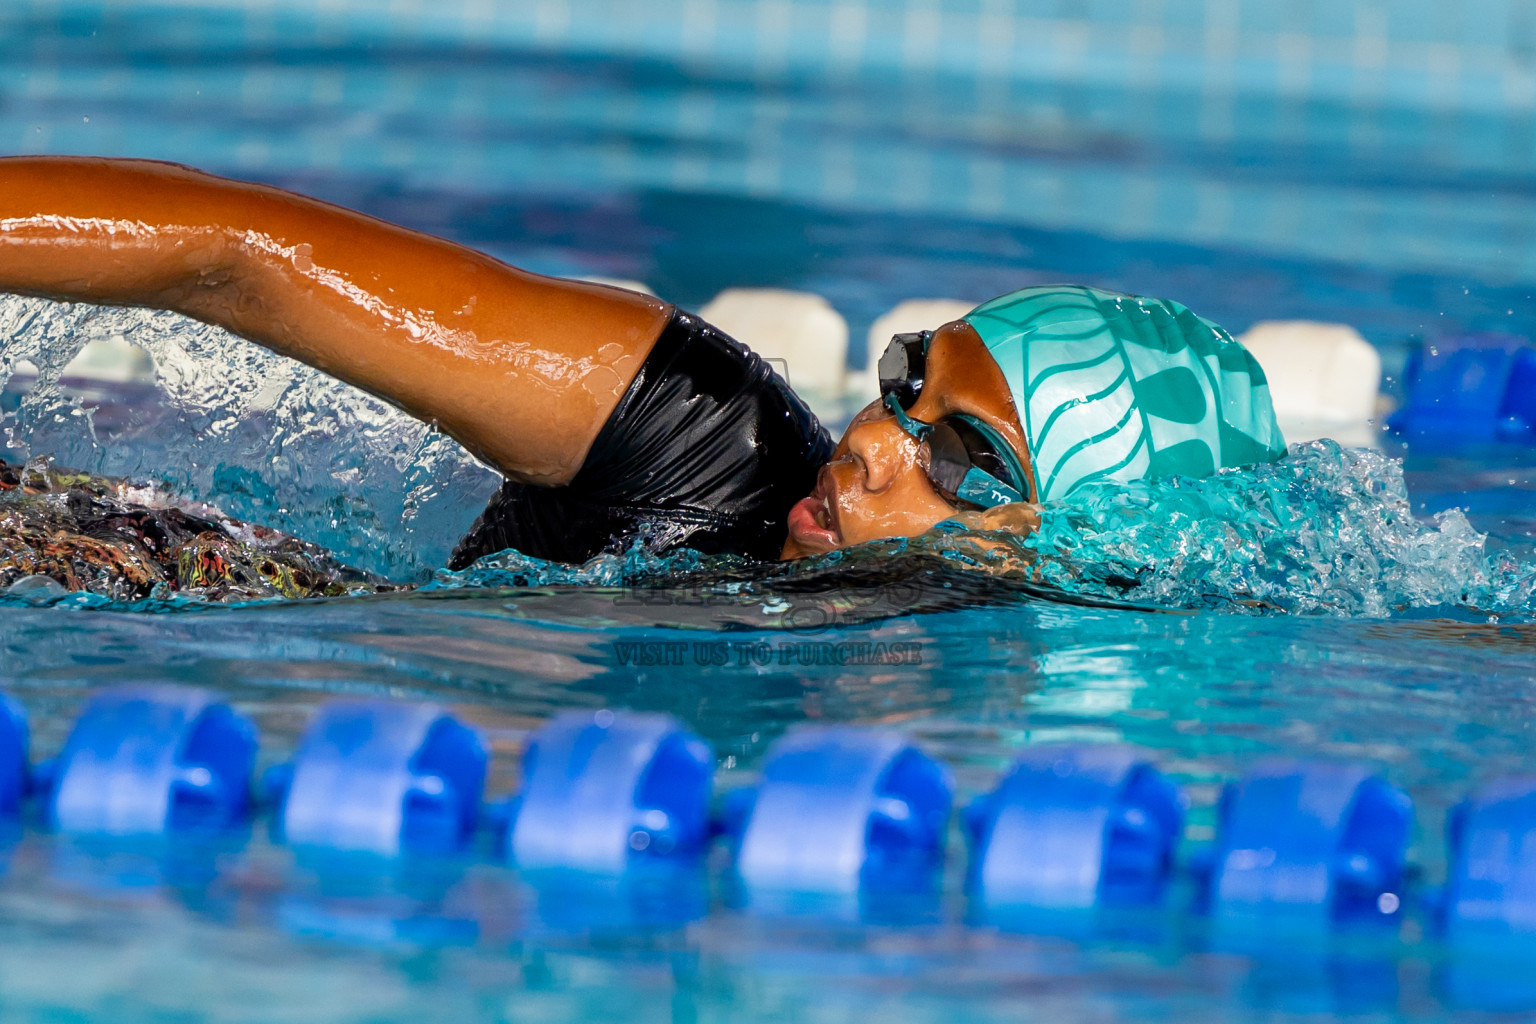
(1120, 387)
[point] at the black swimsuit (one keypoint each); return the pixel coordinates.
(707, 449)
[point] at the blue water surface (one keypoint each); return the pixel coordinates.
(1339, 604)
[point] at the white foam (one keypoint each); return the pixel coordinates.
(265, 438)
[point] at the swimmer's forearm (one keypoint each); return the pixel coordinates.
(521, 368)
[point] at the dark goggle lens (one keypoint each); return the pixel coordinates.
(983, 453)
(954, 447)
(901, 366)
(948, 461)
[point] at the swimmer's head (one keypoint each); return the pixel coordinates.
(1050, 389)
(878, 482)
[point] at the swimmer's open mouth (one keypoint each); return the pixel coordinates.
(811, 521)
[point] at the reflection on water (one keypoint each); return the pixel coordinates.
(1435, 703)
(265, 934)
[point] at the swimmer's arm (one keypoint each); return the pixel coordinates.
(522, 369)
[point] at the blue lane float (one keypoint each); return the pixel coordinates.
(1490, 888)
(381, 778)
(601, 790)
(13, 756)
(151, 760)
(1488, 907)
(1072, 827)
(1479, 387)
(1310, 840)
(838, 808)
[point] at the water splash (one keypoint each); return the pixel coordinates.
(63, 532)
(265, 438)
(636, 565)
(1326, 530)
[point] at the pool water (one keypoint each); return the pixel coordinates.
(1408, 644)
(1437, 705)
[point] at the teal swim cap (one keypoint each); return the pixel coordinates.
(1120, 387)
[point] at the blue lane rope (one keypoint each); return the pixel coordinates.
(841, 810)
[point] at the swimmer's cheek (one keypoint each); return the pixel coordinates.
(997, 532)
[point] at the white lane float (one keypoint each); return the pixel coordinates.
(800, 333)
(905, 317)
(1324, 379)
(113, 360)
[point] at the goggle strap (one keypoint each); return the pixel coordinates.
(916, 428)
(982, 488)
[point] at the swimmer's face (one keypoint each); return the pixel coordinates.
(876, 485)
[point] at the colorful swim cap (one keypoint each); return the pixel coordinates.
(1120, 387)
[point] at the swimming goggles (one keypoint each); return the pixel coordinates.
(968, 461)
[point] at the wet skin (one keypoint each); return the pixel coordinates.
(876, 485)
(522, 369)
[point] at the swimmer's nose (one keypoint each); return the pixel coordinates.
(883, 450)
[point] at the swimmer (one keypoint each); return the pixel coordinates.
(612, 413)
